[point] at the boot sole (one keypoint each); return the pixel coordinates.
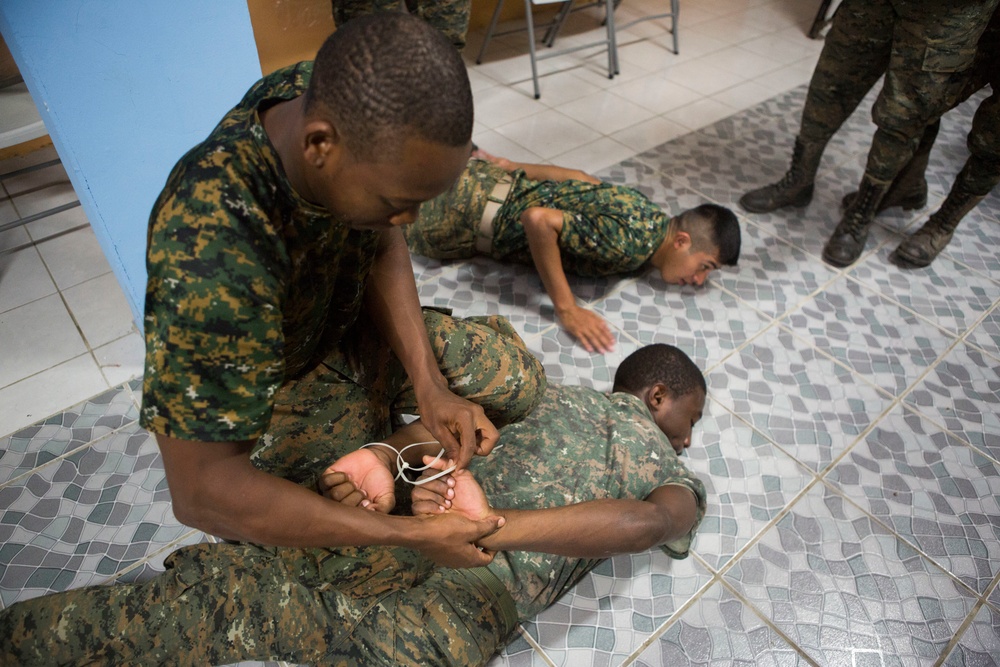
(800, 201)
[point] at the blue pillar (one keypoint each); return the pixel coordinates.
(125, 87)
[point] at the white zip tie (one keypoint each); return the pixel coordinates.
(402, 465)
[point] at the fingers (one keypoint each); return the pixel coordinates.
(487, 437)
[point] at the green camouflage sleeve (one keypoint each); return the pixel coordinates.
(213, 321)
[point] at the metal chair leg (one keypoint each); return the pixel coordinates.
(489, 32)
(531, 46)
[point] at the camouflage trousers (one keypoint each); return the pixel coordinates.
(353, 396)
(449, 16)
(924, 48)
(222, 603)
(447, 225)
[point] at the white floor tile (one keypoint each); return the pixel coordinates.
(656, 93)
(701, 77)
(57, 223)
(744, 95)
(100, 309)
(549, 133)
(699, 114)
(606, 112)
(49, 392)
(595, 156)
(499, 106)
(122, 360)
(746, 64)
(497, 144)
(37, 336)
(649, 134)
(74, 258)
(44, 198)
(23, 278)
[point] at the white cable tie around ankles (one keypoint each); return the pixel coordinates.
(402, 465)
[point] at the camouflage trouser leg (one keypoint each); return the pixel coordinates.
(855, 54)
(345, 10)
(350, 399)
(933, 48)
(447, 225)
(223, 603)
(982, 170)
(451, 17)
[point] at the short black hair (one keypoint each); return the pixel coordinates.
(659, 363)
(713, 228)
(382, 74)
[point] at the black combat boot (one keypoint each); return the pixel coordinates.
(920, 248)
(795, 189)
(909, 189)
(848, 239)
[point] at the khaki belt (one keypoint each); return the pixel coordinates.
(496, 198)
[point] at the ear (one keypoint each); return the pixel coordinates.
(320, 142)
(657, 397)
(682, 240)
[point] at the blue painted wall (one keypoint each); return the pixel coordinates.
(125, 87)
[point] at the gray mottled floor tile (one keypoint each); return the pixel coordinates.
(975, 242)
(748, 479)
(842, 587)
(979, 645)
(40, 443)
(566, 362)
(986, 335)
(946, 293)
(963, 393)
(668, 193)
(518, 653)
(612, 611)
(803, 401)
(939, 494)
(876, 337)
(83, 519)
(153, 565)
(483, 287)
(707, 323)
(719, 630)
(773, 276)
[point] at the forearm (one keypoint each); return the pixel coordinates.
(550, 172)
(542, 227)
(593, 529)
(392, 302)
(254, 506)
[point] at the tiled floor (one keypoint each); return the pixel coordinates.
(851, 442)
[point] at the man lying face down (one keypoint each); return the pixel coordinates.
(567, 221)
(585, 476)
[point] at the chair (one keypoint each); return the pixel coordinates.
(564, 13)
(608, 42)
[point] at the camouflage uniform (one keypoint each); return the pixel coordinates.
(220, 603)
(607, 229)
(252, 312)
(922, 46)
(449, 16)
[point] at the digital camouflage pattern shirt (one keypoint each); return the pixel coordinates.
(249, 284)
(577, 445)
(607, 229)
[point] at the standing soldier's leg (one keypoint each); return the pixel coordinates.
(933, 47)
(345, 10)
(449, 16)
(855, 54)
(978, 177)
